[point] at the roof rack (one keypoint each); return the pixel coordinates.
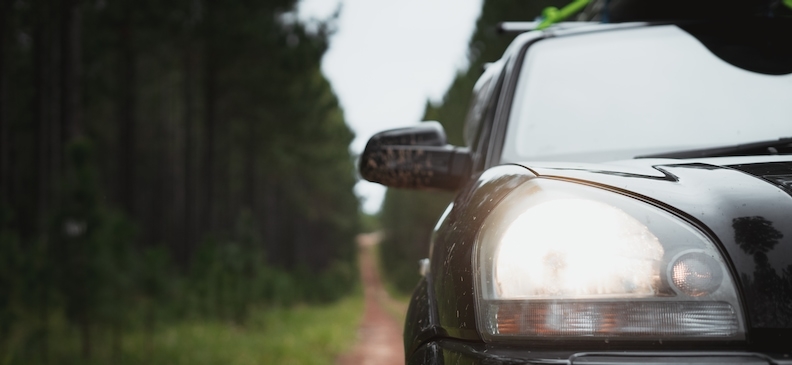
(522, 27)
(551, 17)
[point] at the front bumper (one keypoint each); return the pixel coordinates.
(448, 351)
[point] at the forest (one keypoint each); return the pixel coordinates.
(163, 161)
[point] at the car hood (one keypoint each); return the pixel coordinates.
(746, 202)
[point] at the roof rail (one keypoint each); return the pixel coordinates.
(522, 27)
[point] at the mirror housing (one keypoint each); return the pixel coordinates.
(415, 158)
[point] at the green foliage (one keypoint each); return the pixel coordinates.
(299, 335)
(408, 217)
(369, 222)
(138, 295)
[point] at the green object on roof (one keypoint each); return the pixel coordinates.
(552, 15)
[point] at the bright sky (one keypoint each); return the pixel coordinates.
(387, 58)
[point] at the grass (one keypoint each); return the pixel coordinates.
(299, 335)
(305, 334)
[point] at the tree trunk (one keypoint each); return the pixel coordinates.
(189, 185)
(127, 115)
(85, 334)
(41, 117)
(210, 130)
(210, 90)
(55, 100)
(225, 200)
(5, 170)
(249, 198)
(44, 49)
(42, 114)
(155, 214)
(273, 222)
(115, 339)
(71, 123)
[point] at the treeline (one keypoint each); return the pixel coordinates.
(163, 160)
(408, 217)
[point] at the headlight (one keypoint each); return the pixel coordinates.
(564, 260)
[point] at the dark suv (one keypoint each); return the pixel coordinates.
(625, 196)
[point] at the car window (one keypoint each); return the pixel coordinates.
(482, 111)
(476, 111)
(614, 95)
(478, 104)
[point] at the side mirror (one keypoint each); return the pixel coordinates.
(415, 158)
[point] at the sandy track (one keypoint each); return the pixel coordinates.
(379, 339)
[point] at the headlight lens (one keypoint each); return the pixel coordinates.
(567, 260)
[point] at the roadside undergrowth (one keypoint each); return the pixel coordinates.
(303, 334)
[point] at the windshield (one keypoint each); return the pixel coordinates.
(618, 94)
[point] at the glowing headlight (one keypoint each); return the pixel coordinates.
(567, 260)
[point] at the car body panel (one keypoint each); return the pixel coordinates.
(721, 201)
(421, 320)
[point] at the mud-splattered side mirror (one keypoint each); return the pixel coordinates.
(415, 158)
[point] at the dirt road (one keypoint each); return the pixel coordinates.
(379, 335)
